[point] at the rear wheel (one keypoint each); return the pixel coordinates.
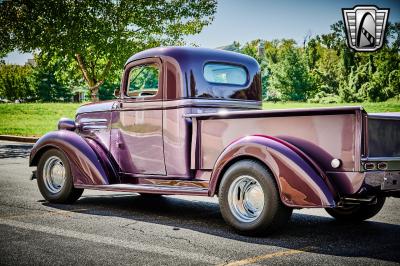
(354, 213)
(54, 178)
(150, 195)
(249, 199)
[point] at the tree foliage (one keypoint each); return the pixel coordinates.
(99, 35)
(290, 78)
(15, 82)
(325, 70)
(47, 87)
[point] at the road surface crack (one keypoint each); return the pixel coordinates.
(180, 238)
(128, 225)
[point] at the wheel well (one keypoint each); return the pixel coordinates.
(39, 154)
(233, 161)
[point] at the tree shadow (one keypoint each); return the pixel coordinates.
(15, 150)
(324, 235)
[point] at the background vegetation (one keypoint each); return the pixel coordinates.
(320, 70)
(324, 70)
(36, 119)
(88, 41)
(82, 45)
(33, 119)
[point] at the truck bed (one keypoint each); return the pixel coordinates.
(322, 133)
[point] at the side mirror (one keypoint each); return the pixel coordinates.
(67, 124)
(117, 93)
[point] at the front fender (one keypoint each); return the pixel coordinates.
(300, 182)
(88, 162)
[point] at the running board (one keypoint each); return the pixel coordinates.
(351, 201)
(144, 188)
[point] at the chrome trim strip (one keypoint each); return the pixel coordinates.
(213, 103)
(134, 105)
(92, 120)
(98, 127)
(158, 189)
(381, 159)
(286, 112)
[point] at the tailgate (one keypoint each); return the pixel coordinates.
(383, 139)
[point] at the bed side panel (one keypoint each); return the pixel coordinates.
(322, 137)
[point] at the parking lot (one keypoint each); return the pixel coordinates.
(121, 228)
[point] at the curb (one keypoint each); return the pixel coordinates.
(19, 138)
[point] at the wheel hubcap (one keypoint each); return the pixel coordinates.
(246, 198)
(54, 174)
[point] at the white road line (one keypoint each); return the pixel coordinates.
(115, 242)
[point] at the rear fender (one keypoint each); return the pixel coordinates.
(300, 182)
(89, 162)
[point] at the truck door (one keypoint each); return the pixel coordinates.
(137, 126)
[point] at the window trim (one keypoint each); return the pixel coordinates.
(137, 63)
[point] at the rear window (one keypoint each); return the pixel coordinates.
(225, 74)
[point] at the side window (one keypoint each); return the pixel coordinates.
(143, 81)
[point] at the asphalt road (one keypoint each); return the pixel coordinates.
(119, 228)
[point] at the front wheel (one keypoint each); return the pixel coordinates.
(249, 199)
(55, 179)
(356, 213)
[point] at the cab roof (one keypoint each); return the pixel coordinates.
(185, 55)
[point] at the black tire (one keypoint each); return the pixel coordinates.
(273, 216)
(68, 193)
(356, 213)
(150, 195)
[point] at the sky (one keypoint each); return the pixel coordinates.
(246, 20)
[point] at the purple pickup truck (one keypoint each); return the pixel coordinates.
(189, 121)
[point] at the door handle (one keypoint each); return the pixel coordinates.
(120, 145)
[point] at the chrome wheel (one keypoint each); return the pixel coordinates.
(54, 174)
(246, 198)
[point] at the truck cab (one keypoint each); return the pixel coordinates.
(149, 134)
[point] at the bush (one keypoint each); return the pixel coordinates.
(15, 83)
(325, 98)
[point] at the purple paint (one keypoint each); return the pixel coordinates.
(180, 140)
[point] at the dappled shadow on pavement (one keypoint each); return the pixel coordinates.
(326, 236)
(15, 150)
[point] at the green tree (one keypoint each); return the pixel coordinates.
(15, 82)
(290, 76)
(326, 70)
(99, 35)
(45, 83)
